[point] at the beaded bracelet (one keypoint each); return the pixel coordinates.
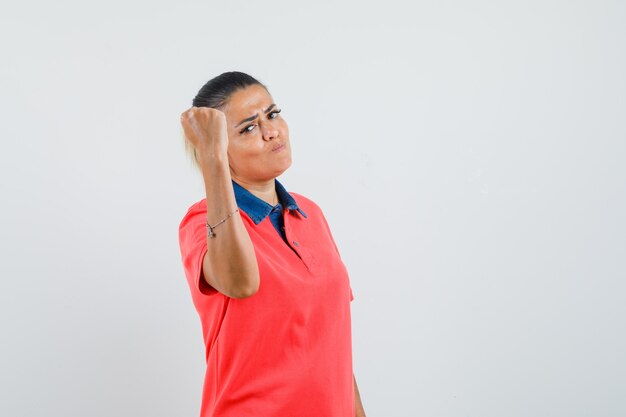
(211, 233)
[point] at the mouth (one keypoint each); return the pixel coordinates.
(278, 147)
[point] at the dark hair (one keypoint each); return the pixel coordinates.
(216, 92)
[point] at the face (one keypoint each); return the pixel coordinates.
(258, 136)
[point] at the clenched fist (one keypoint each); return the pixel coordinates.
(206, 129)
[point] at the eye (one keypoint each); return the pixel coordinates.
(275, 112)
(271, 115)
(246, 129)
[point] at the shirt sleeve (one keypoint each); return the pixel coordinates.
(193, 246)
(334, 245)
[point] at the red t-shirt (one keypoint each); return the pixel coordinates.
(287, 350)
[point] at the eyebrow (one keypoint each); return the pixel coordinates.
(254, 116)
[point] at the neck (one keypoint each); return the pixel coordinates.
(265, 190)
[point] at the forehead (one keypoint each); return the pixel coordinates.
(248, 100)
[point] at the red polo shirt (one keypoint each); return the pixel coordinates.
(287, 350)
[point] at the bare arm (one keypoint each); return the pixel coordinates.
(358, 405)
(229, 264)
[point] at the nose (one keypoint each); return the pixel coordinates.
(269, 131)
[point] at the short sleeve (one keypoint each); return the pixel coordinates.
(193, 246)
(332, 239)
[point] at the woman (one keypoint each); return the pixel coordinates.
(265, 274)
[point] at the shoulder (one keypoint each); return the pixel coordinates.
(199, 205)
(193, 211)
(305, 203)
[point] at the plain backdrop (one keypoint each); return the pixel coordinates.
(469, 157)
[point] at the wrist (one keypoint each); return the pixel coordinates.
(213, 162)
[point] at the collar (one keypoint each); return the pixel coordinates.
(258, 209)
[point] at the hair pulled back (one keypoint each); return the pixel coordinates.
(216, 92)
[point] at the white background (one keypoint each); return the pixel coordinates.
(469, 157)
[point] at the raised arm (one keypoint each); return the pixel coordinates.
(230, 264)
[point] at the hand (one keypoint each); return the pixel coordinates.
(206, 129)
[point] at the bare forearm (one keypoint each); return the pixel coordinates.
(358, 405)
(230, 261)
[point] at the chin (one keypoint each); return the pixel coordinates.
(280, 170)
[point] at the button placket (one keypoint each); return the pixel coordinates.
(294, 243)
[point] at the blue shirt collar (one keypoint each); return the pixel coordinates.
(258, 209)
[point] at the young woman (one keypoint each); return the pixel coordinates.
(265, 274)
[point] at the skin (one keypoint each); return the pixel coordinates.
(359, 411)
(252, 162)
(246, 153)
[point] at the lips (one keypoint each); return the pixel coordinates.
(278, 147)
